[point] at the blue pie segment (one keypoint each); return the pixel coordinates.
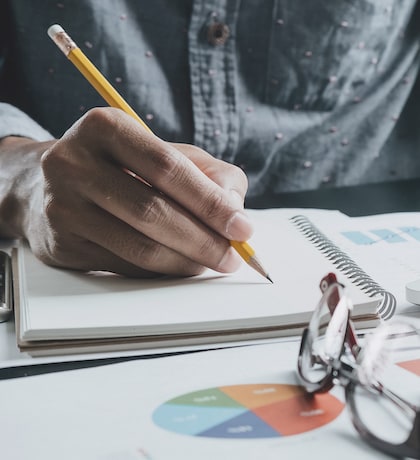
(246, 425)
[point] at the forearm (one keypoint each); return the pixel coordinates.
(19, 173)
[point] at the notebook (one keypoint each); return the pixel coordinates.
(61, 311)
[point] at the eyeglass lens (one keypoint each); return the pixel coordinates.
(388, 369)
(324, 338)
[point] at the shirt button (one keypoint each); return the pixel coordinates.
(217, 34)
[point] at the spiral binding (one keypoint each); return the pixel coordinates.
(345, 264)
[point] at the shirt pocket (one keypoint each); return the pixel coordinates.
(322, 53)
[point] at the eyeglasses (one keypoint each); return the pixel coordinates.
(380, 378)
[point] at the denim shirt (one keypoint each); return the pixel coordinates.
(301, 94)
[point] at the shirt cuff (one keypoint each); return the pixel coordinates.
(14, 122)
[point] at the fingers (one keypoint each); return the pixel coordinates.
(178, 244)
(84, 255)
(184, 249)
(171, 172)
(159, 218)
(231, 178)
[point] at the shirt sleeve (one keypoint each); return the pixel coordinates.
(14, 122)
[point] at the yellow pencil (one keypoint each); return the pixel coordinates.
(114, 99)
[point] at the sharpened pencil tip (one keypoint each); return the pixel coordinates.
(256, 265)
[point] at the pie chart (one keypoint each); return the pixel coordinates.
(247, 411)
(411, 366)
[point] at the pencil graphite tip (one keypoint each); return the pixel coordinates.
(256, 265)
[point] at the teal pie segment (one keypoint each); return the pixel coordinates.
(192, 420)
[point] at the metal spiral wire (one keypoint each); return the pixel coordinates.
(346, 265)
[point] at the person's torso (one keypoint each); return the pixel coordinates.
(300, 94)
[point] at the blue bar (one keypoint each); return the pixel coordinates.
(414, 232)
(388, 235)
(358, 238)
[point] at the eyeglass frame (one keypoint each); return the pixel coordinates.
(345, 374)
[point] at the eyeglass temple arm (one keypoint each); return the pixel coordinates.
(398, 401)
(329, 280)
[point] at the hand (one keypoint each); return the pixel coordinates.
(110, 196)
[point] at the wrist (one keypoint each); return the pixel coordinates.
(20, 177)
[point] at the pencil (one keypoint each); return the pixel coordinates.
(114, 99)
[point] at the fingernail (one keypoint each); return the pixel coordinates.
(230, 262)
(239, 227)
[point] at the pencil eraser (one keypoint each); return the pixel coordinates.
(54, 30)
(412, 292)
